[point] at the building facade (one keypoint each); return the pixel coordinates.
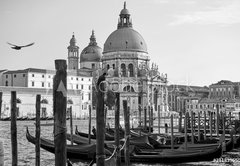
(31, 81)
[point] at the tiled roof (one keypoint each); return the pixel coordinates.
(45, 71)
(3, 70)
(223, 82)
(24, 90)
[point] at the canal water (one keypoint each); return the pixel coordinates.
(26, 150)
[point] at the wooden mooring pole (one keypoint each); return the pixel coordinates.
(140, 119)
(100, 155)
(159, 116)
(149, 120)
(223, 124)
(14, 128)
(210, 124)
(180, 122)
(59, 108)
(192, 131)
(172, 132)
(38, 130)
(71, 124)
(217, 121)
(127, 132)
(89, 124)
(199, 125)
(145, 118)
(0, 105)
(205, 127)
(116, 135)
(185, 129)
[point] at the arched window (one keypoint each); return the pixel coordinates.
(6, 84)
(123, 70)
(128, 89)
(130, 70)
(108, 66)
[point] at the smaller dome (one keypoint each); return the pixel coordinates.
(91, 53)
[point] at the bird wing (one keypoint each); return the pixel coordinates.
(27, 45)
(11, 44)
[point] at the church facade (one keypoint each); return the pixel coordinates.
(130, 73)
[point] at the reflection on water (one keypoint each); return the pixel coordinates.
(26, 150)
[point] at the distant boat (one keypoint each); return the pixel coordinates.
(6, 119)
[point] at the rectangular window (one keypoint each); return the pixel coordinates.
(93, 66)
(6, 76)
(77, 78)
(49, 84)
(32, 75)
(89, 96)
(82, 96)
(42, 84)
(82, 79)
(81, 86)
(23, 75)
(77, 86)
(42, 76)
(15, 75)
(89, 87)
(32, 83)
(49, 76)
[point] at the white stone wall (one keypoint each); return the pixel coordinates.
(28, 100)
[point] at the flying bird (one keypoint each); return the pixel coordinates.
(19, 47)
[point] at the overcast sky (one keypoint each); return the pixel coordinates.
(196, 42)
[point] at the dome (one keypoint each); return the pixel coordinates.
(91, 53)
(125, 39)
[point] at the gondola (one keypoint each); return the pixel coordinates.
(143, 142)
(175, 156)
(77, 139)
(108, 137)
(83, 152)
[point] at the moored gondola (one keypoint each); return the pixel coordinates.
(83, 152)
(175, 156)
(108, 137)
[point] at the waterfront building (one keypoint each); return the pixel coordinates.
(32, 81)
(224, 95)
(182, 98)
(224, 89)
(129, 72)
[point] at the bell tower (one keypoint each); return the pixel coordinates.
(73, 54)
